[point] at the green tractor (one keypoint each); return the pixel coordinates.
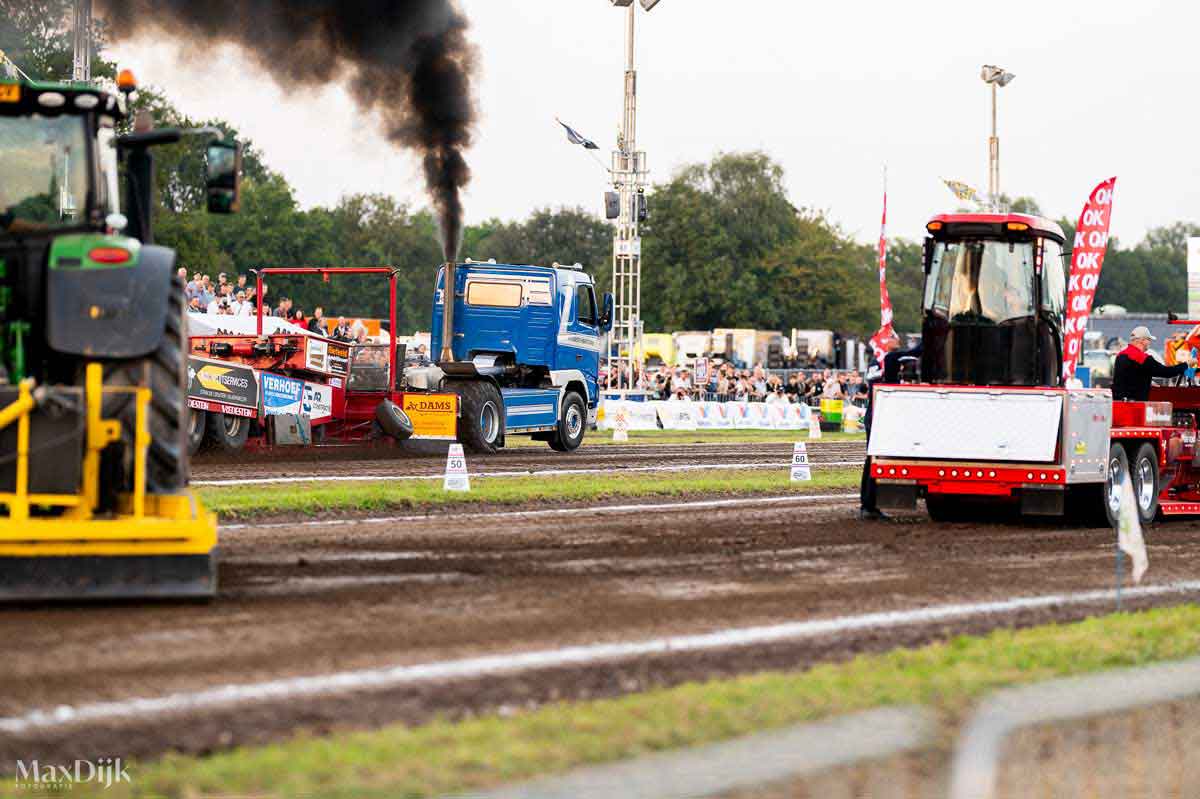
(93, 404)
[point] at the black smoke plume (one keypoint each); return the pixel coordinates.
(406, 62)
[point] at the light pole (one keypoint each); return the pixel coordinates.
(81, 71)
(629, 175)
(996, 77)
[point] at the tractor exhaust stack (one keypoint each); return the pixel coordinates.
(448, 285)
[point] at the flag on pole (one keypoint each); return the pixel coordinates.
(886, 330)
(1129, 530)
(575, 137)
(1087, 259)
(962, 191)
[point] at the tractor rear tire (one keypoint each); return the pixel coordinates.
(481, 424)
(226, 432)
(572, 424)
(197, 423)
(164, 372)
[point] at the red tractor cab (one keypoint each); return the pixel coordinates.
(988, 419)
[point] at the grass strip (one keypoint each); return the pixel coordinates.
(319, 497)
(604, 438)
(444, 757)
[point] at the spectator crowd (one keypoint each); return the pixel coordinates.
(726, 383)
(235, 298)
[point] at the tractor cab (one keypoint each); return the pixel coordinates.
(995, 294)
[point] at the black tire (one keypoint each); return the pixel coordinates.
(226, 432)
(481, 422)
(572, 424)
(1144, 469)
(164, 372)
(196, 425)
(1118, 467)
(393, 420)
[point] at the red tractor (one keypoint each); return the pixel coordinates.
(260, 381)
(984, 417)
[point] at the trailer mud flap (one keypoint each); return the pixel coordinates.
(896, 496)
(1039, 501)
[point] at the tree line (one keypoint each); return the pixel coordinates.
(723, 247)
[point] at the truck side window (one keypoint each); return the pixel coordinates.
(585, 303)
(494, 295)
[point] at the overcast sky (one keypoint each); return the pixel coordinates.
(830, 90)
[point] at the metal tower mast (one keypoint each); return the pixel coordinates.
(82, 70)
(629, 175)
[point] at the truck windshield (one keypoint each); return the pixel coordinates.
(975, 281)
(43, 172)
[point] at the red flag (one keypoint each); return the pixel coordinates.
(885, 303)
(1087, 257)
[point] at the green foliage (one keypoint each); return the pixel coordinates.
(36, 35)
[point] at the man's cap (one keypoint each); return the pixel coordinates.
(1141, 331)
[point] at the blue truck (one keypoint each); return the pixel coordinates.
(520, 346)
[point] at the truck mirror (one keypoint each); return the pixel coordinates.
(927, 254)
(606, 317)
(223, 176)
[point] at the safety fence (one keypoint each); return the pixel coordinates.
(1131, 733)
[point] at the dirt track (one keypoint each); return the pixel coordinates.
(324, 597)
(430, 458)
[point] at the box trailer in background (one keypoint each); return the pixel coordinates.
(813, 344)
(735, 344)
(691, 345)
(768, 348)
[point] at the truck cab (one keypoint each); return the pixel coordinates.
(525, 351)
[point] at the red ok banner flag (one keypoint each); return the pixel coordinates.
(885, 303)
(1087, 257)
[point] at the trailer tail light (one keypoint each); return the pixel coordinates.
(1158, 414)
(109, 255)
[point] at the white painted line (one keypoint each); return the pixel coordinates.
(595, 510)
(382, 478)
(516, 662)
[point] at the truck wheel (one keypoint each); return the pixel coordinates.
(571, 425)
(1144, 470)
(1118, 468)
(164, 372)
(226, 432)
(481, 428)
(195, 429)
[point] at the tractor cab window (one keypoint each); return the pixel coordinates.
(1054, 280)
(45, 166)
(369, 367)
(110, 192)
(585, 305)
(975, 281)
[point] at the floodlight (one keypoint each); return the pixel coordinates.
(649, 4)
(996, 75)
(622, 3)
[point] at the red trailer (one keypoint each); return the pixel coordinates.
(985, 417)
(278, 383)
